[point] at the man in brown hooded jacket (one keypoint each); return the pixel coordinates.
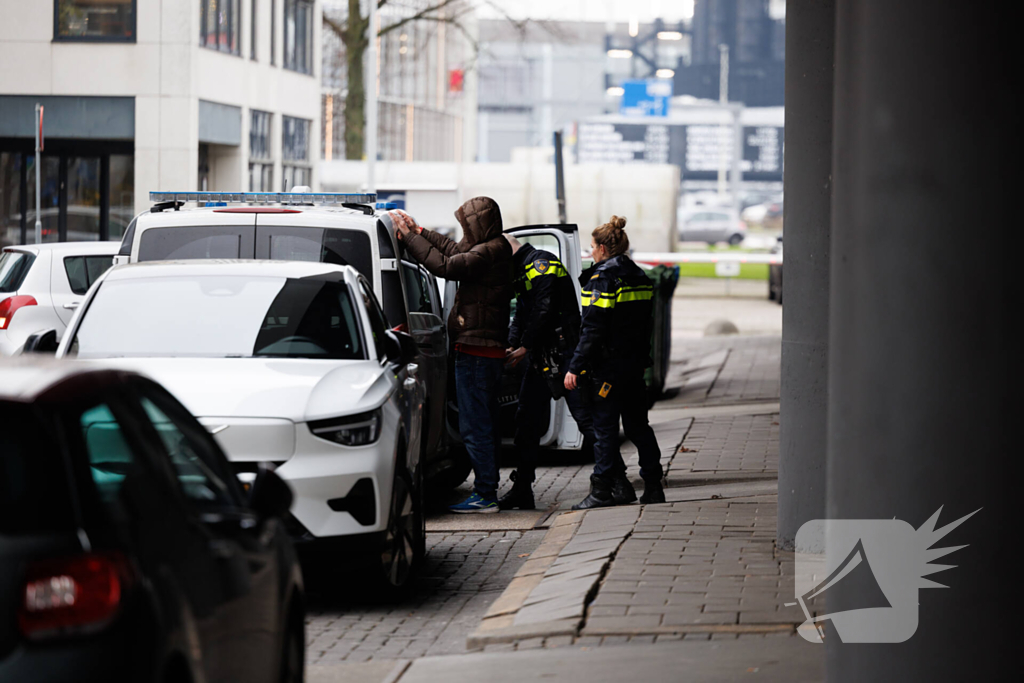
(482, 265)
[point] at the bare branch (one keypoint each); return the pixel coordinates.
(337, 28)
(422, 14)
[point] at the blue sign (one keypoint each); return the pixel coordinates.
(645, 97)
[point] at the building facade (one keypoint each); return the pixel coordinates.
(425, 76)
(141, 95)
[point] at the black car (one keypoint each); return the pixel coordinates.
(128, 550)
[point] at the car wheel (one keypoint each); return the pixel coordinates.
(402, 541)
(293, 655)
(735, 240)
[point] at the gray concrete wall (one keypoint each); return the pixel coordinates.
(924, 369)
(808, 183)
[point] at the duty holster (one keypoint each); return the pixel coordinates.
(552, 362)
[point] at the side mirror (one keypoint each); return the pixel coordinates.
(399, 347)
(42, 342)
(270, 496)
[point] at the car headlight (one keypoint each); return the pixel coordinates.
(351, 430)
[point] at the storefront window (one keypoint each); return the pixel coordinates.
(83, 199)
(298, 35)
(98, 20)
(220, 25)
(122, 194)
(10, 198)
(295, 152)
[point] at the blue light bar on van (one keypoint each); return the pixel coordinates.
(328, 198)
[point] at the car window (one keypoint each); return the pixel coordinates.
(110, 456)
(320, 245)
(34, 490)
(719, 216)
(377, 323)
(14, 266)
(82, 271)
(203, 479)
(197, 241)
(417, 290)
(544, 242)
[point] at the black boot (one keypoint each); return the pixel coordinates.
(622, 490)
(600, 494)
(653, 492)
(519, 497)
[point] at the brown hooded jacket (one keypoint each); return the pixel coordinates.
(482, 264)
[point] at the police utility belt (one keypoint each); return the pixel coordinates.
(552, 361)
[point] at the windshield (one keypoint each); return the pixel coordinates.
(14, 267)
(220, 316)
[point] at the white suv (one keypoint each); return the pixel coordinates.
(41, 285)
(290, 367)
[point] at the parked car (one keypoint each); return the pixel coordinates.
(128, 552)
(350, 234)
(711, 226)
(41, 285)
(292, 368)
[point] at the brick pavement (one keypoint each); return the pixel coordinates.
(747, 443)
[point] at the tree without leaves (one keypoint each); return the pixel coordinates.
(352, 31)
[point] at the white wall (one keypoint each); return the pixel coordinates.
(645, 194)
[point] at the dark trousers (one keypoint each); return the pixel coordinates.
(477, 384)
(533, 416)
(627, 398)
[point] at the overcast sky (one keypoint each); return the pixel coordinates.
(620, 11)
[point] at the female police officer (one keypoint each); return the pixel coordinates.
(608, 367)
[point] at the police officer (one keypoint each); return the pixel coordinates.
(544, 331)
(608, 368)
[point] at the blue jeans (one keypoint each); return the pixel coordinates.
(477, 383)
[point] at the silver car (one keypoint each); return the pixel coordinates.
(711, 226)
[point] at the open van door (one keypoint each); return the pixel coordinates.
(563, 240)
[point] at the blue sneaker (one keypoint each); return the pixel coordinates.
(475, 503)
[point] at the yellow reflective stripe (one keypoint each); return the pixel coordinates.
(554, 268)
(600, 303)
(636, 295)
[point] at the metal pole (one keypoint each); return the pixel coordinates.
(371, 102)
(736, 175)
(560, 178)
(723, 98)
(39, 222)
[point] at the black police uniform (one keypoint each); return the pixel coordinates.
(613, 352)
(546, 323)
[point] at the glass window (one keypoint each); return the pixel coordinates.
(261, 165)
(295, 152)
(273, 31)
(82, 271)
(10, 197)
(197, 472)
(298, 35)
(34, 496)
(83, 199)
(122, 193)
(200, 241)
(543, 242)
(252, 29)
(220, 25)
(110, 457)
(220, 316)
(14, 266)
(377, 322)
(99, 20)
(332, 245)
(417, 290)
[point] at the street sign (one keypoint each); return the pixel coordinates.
(645, 97)
(727, 269)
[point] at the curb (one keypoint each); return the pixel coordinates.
(548, 596)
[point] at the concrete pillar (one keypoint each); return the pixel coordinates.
(810, 31)
(924, 373)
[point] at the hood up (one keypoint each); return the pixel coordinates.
(480, 219)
